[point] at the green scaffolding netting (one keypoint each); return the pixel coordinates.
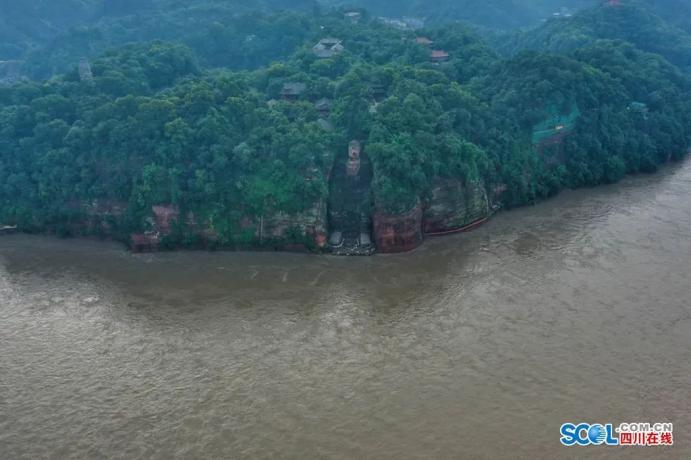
(555, 124)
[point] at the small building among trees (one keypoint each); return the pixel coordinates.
(353, 16)
(439, 56)
(292, 91)
(327, 48)
(323, 107)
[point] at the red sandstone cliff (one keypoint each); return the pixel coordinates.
(398, 233)
(454, 205)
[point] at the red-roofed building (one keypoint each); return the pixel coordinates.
(439, 56)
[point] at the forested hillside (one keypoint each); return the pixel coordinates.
(632, 21)
(228, 134)
(51, 36)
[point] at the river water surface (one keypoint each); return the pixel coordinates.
(474, 346)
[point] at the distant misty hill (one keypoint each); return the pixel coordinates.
(28, 24)
(676, 12)
(225, 33)
(493, 14)
(636, 22)
(49, 37)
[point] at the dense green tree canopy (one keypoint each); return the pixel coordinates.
(221, 120)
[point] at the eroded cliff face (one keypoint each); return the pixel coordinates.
(451, 206)
(454, 205)
(281, 231)
(301, 231)
(90, 218)
(398, 233)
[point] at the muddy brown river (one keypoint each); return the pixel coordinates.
(475, 346)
